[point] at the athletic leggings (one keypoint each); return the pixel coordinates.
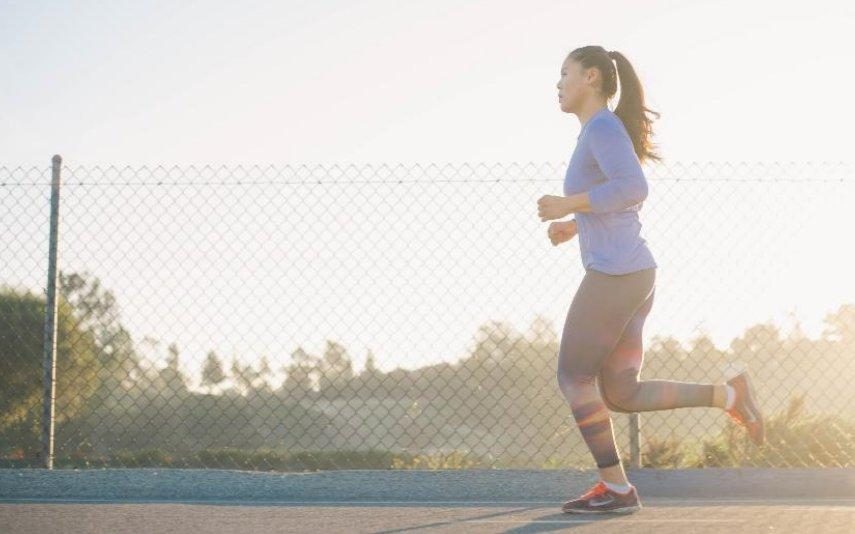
(601, 343)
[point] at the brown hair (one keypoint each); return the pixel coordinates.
(630, 109)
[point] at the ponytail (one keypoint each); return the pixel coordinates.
(630, 108)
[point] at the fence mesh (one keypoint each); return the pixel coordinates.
(377, 316)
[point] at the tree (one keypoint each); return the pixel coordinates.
(243, 376)
(336, 370)
(370, 365)
(96, 311)
(212, 371)
(370, 380)
(171, 376)
(264, 373)
(21, 361)
(840, 325)
(300, 375)
(541, 331)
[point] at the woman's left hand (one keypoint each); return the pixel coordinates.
(553, 207)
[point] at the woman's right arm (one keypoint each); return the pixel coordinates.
(625, 183)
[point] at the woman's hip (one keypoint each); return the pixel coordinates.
(612, 298)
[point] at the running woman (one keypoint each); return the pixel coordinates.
(600, 353)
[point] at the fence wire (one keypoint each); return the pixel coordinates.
(408, 316)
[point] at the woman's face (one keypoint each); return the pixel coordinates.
(574, 85)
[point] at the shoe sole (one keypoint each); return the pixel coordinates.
(624, 510)
(760, 423)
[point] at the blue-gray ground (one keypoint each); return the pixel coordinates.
(475, 500)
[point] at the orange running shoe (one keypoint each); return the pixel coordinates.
(744, 410)
(600, 500)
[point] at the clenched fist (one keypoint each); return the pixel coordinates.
(551, 207)
(561, 231)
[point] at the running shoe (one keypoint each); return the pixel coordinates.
(600, 500)
(744, 410)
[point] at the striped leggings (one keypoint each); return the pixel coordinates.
(601, 345)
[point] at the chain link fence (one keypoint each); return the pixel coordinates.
(406, 316)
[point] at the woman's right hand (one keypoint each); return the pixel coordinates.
(561, 231)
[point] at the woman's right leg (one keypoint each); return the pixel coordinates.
(598, 314)
(621, 389)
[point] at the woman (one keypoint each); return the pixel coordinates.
(600, 353)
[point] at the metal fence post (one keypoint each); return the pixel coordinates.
(49, 363)
(634, 441)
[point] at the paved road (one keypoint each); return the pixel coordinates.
(193, 501)
(658, 515)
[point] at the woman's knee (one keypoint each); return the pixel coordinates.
(620, 390)
(610, 403)
(573, 382)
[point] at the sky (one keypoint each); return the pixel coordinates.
(319, 81)
(420, 83)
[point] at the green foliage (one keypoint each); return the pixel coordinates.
(451, 460)
(794, 438)
(500, 403)
(263, 460)
(662, 453)
(21, 364)
(212, 371)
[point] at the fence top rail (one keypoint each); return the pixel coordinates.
(399, 173)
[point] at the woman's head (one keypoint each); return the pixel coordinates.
(589, 78)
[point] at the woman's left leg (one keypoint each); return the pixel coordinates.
(598, 315)
(622, 390)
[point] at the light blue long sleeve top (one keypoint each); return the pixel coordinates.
(605, 165)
